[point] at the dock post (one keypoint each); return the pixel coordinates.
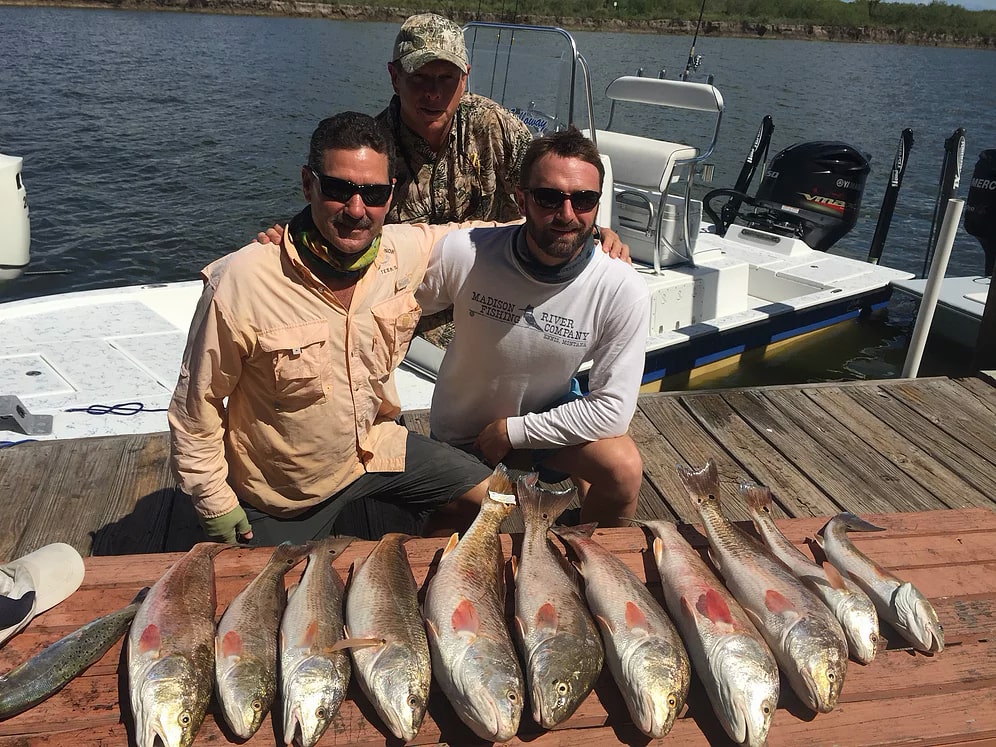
(938, 266)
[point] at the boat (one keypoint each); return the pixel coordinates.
(961, 300)
(105, 362)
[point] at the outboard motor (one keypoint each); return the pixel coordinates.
(811, 191)
(980, 209)
(16, 235)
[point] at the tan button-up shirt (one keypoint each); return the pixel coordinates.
(285, 396)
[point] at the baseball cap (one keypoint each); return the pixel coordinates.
(427, 37)
(37, 582)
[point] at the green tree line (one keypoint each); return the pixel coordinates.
(937, 17)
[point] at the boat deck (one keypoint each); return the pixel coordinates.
(917, 457)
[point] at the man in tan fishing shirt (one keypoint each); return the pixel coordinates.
(286, 396)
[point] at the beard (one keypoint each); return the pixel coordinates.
(554, 243)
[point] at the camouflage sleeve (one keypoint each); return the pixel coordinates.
(512, 138)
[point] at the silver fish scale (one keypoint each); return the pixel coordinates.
(562, 665)
(383, 603)
(177, 677)
(477, 674)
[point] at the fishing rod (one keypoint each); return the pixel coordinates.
(693, 61)
(891, 194)
(954, 154)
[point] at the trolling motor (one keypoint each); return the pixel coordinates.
(810, 191)
(980, 208)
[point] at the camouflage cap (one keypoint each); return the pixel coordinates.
(428, 37)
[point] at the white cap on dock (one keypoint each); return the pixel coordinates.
(37, 582)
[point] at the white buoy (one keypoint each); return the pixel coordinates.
(15, 230)
(932, 290)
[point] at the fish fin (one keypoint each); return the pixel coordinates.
(714, 559)
(347, 643)
(451, 544)
(290, 590)
(635, 618)
(541, 506)
(686, 609)
(231, 644)
(500, 575)
(515, 568)
(713, 606)
(546, 617)
(702, 482)
(834, 577)
(606, 626)
(777, 603)
(758, 497)
(855, 523)
(432, 631)
(658, 550)
(501, 488)
(150, 640)
(520, 627)
(465, 617)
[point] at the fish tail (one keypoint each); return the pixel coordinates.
(703, 481)
(854, 523)
(541, 505)
(290, 553)
(501, 484)
(758, 497)
(142, 594)
(581, 531)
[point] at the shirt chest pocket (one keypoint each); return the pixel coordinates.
(300, 360)
(394, 322)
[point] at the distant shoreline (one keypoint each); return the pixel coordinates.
(736, 29)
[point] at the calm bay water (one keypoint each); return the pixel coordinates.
(155, 142)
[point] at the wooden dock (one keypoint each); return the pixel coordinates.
(902, 697)
(868, 447)
(917, 457)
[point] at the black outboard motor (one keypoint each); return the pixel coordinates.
(980, 209)
(811, 191)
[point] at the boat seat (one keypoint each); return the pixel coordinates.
(640, 161)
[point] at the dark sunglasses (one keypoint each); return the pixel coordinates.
(553, 199)
(342, 190)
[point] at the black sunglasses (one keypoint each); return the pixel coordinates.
(553, 199)
(342, 190)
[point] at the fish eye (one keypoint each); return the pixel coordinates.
(561, 688)
(185, 719)
(320, 712)
(256, 705)
(831, 676)
(412, 701)
(766, 710)
(513, 696)
(671, 701)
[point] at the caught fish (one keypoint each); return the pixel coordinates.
(48, 671)
(733, 662)
(473, 657)
(803, 634)
(559, 640)
(898, 602)
(314, 671)
(853, 609)
(245, 665)
(383, 603)
(171, 651)
(642, 647)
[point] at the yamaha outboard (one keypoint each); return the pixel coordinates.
(810, 191)
(980, 209)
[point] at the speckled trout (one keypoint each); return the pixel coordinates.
(898, 602)
(473, 657)
(171, 651)
(559, 640)
(853, 609)
(246, 643)
(732, 660)
(314, 668)
(643, 650)
(800, 630)
(51, 669)
(382, 603)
